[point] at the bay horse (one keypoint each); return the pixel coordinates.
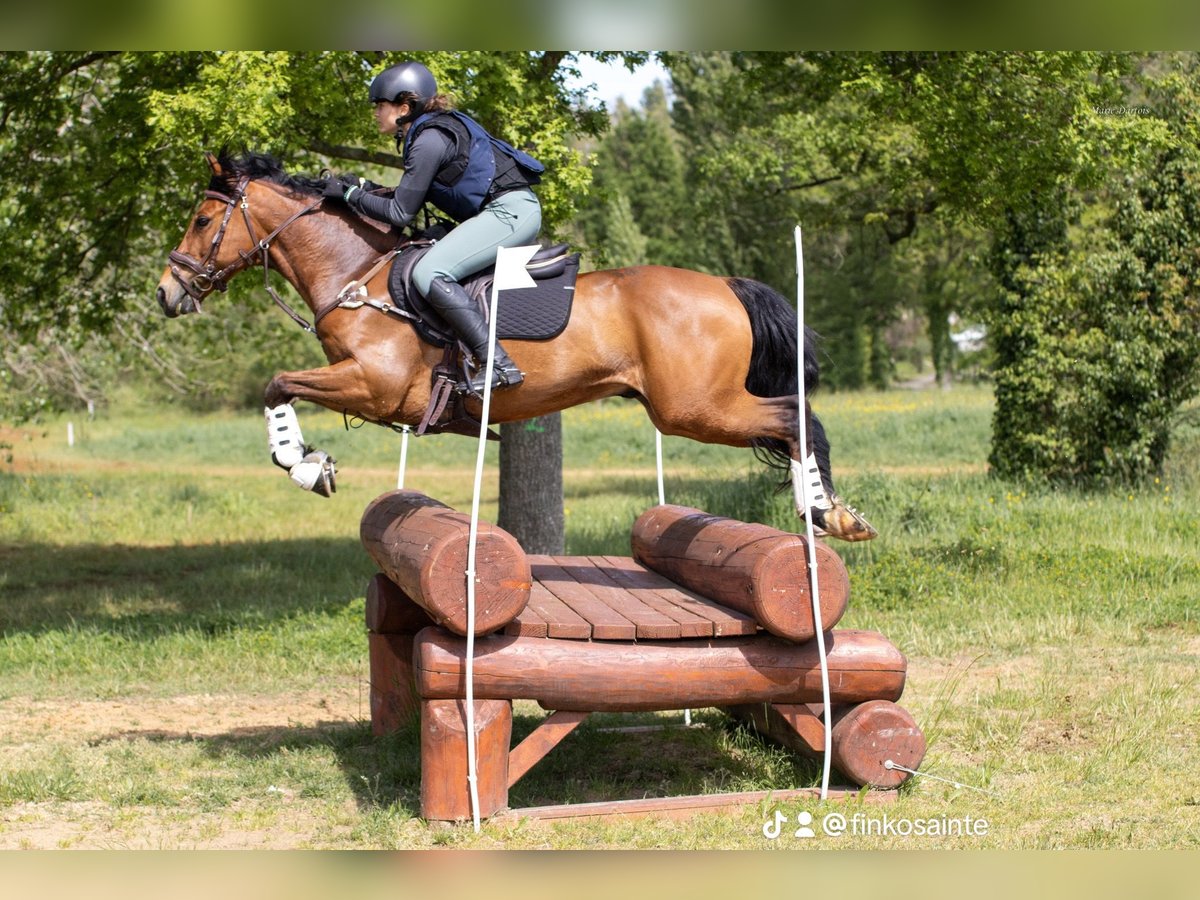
(710, 358)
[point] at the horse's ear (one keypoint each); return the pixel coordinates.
(214, 164)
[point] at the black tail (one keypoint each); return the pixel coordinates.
(773, 359)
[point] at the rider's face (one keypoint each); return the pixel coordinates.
(386, 114)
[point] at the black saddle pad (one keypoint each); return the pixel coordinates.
(538, 313)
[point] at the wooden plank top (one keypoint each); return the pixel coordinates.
(616, 598)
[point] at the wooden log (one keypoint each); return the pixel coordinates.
(391, 611)
(392, 620)
(393, 694)
(755, 569)
(422, 546)
(445, 794)
(866, 736)
(594, 676)
(796, 726)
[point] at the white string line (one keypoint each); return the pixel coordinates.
(888, 764)
(662, 500)
(810, 538)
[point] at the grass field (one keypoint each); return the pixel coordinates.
(183, 660)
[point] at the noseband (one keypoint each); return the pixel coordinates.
(205, 278)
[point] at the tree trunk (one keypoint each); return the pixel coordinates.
(531, 491)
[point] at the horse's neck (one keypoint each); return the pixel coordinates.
(320, 253)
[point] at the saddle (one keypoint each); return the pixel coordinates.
(538, 313)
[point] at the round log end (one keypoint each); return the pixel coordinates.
(782, 592)
(870, 734)
(423, 547)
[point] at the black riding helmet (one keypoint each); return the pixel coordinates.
(405, 78)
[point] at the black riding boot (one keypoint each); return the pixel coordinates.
(464, 316)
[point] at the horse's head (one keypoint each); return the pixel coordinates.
(220, 242)
(205, 259)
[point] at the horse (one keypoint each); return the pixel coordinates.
(709, 357)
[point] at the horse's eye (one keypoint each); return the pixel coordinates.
(202, 221)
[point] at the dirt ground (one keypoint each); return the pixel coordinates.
(27, 725)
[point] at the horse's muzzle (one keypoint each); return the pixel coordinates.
(181, 303)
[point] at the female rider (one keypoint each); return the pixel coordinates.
(478, 180)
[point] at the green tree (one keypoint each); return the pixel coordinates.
(635, 209)
(1021, 146)
(1100, 324)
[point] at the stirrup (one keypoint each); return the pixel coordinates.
(502, 377)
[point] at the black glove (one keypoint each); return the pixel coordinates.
(335, 188)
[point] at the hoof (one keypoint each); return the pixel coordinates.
(844, 523)
(317, 472)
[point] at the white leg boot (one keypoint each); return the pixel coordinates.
(313, 470)
(808, 473)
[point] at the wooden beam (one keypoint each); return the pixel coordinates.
(624, 677)
(755, 569)
(682, 807)
(541, 741)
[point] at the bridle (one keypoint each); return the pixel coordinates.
(205, 279)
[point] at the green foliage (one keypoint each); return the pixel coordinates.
(635, 213)
(1100, 331)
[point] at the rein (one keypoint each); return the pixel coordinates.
(205, 279)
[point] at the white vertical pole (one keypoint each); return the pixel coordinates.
(404, 430)
(70, 434)
(810, 538)
(662, 494)
(472, 778)
(510, 272)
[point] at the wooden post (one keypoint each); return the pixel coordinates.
(444, 791)
(755, 569)
(421, 545)
(392, 621)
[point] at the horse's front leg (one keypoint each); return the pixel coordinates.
(339, 386)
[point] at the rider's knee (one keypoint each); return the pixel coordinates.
(423, 275)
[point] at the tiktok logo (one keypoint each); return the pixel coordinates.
(773, 827)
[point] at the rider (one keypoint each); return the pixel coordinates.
(480, 181)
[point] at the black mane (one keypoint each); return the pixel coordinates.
(255, 166)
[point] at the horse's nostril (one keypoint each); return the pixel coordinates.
(160, 295)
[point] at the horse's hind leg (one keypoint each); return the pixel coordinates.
(742, 419)
(833, 516)
(811, 469)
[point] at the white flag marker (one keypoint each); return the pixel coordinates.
(510, 267)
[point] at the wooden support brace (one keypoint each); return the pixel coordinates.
(541, 741)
